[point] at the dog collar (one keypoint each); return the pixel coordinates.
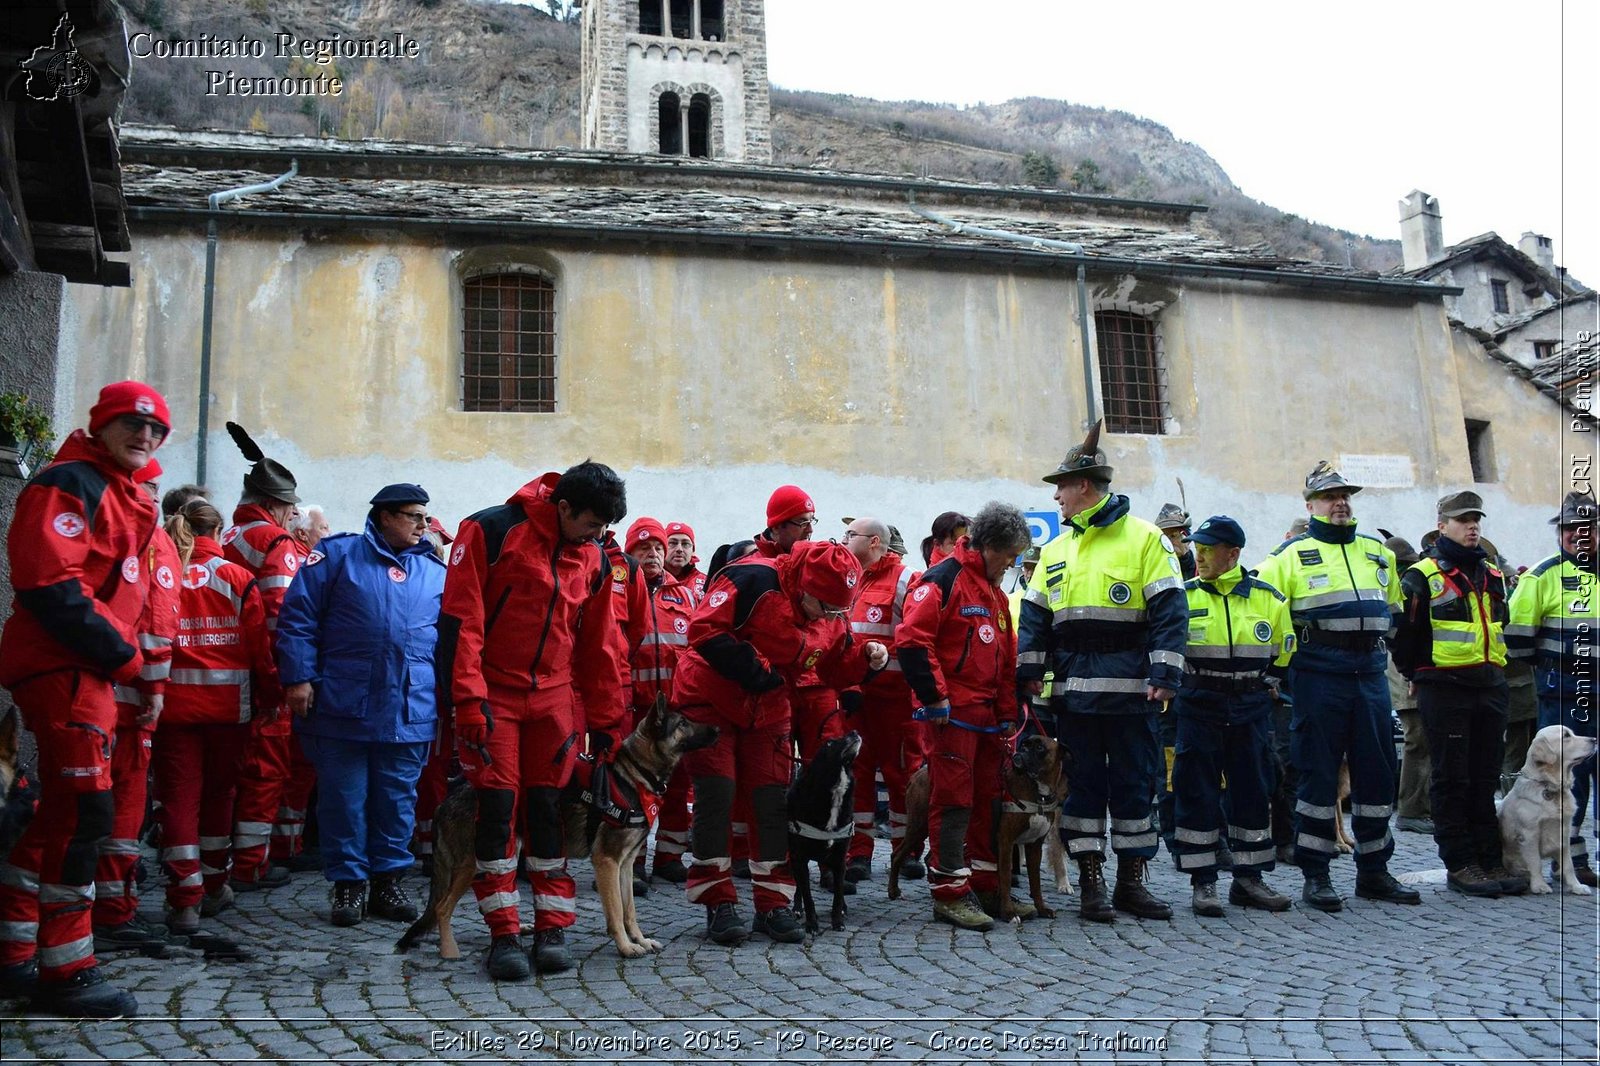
(811, 832)
(1027, 807)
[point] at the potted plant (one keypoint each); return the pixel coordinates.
(25, 436)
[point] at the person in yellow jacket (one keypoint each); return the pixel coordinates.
(1451, 646)
(1105, 614)
(1240, 644)
(1343, 592)
(1555, 618)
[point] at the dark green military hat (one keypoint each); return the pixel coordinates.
(1086, 459)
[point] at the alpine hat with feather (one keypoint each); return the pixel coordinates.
(267, 477)
(1084, 460)
(1324, 478)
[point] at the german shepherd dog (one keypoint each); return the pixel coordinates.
(16, 793)
(1035, 787)
(822, 821)
(598, 825)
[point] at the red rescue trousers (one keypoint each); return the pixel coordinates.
(965, 769)
(817, 719)
(432, 786)
(197, 771)
(289, 825)
(747, 769)
(891, 742)
(262, 776)
(47, 886)
(116, 888)
(533, 747)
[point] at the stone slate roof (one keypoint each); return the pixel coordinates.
(1569, 365)
(1555, 376)
(1492, 246)
(589, 196)
(1506, 325)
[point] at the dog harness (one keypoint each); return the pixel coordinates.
(612, 797)
(811, 832)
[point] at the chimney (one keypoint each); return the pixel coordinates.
(1421, 230)
(1537, 246)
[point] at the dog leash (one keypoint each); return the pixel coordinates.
(919, 716)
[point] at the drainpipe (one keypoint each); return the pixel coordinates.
(1069, 247)
(216, 200)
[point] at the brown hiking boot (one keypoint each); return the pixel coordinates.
(1130, 894)
(1092, 905)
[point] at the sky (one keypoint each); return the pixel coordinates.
(1331, 111)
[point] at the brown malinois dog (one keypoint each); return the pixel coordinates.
(1030, 814)
(608, 812)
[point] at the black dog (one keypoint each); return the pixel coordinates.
(822, 820)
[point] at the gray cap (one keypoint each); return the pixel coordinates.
(1459, 503)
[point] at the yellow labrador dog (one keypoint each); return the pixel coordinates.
(1536, 815)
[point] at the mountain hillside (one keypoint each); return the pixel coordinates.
(502, 74)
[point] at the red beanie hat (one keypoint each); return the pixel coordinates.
(644, 529)
(128, 398)
(827, 570)
(788, 501)
(674, 528)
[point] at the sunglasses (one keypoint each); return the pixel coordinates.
(136, 425)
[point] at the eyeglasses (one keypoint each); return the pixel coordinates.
(856, 533)
(801, 523)
(136, 425)
(416, 517)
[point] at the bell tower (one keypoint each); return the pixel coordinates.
(677, 77)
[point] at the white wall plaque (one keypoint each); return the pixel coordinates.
(1378, 471)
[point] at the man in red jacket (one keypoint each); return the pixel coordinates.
(891, 740)
(682, 563)
(117, 926)
(763, 621)
(958, 651)
(260, 541)
(654, 659)
(528, 653)
(77, 546)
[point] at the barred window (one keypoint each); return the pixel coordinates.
(508, 343)
(1133, 374)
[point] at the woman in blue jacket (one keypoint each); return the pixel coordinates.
(355, 645)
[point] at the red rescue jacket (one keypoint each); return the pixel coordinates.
(524, 609)
(267, 550)
(77, 545)
(158, 625)
(222, 664)
(956, 641)
(667, 635)
(880, 603)
(631, 605)
(693, 579)
(748, 641)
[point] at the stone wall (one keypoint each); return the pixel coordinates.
(624, 73)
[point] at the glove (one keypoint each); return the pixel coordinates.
(473, 725)
(599, 741)
(850, 701)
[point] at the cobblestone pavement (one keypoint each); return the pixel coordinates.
(1455, 980)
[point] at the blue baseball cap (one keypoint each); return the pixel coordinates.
(400, 493)
(1218, 529)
